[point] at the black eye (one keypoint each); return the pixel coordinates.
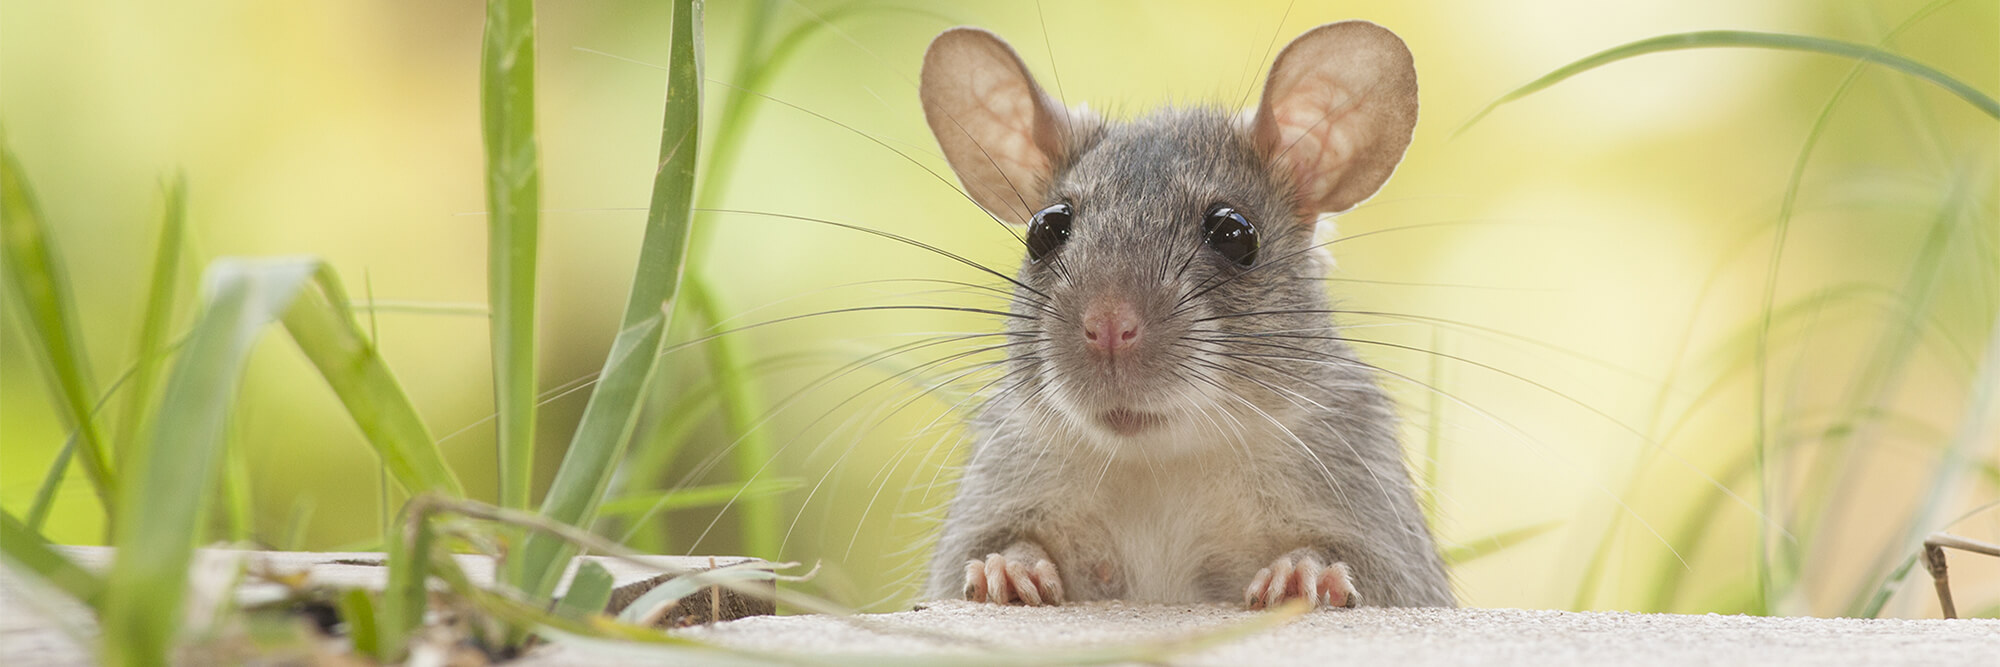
(1232, 235)
(1047, 231)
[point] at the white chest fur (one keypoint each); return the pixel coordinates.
(1169, 525)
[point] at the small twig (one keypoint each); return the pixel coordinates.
(422, 507)
(1934, 547)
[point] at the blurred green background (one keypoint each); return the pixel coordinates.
(1606, 243)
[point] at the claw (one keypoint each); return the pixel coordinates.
(1300, 575)
(1023, 575)
(975, 580)
(997, 588)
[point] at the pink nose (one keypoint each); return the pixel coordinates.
(1111, 326)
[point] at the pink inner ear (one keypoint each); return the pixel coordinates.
(1011, 115)
(1314, 142)
(989, 117)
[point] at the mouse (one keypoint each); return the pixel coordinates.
(1180, 420)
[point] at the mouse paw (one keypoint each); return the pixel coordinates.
(1022, 575)
(1300, 575)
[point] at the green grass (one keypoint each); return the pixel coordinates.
(1778, 561)
(161, 299)
(25, 548)
(37, 284)
(169, 463)
(613, 411)
(172, 467)
(741, 400)
(175, 468)
(324, 327)
(1772, 313)
(1712, 39)
(513, 207)
(181, 451)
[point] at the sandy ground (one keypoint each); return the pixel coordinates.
(1369, 636)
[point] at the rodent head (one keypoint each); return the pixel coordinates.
(1163, 253)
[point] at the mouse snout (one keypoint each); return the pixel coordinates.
(1111, 326)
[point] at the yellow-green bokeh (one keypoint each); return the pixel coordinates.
(1615, 232)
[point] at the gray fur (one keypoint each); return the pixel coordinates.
(1224, 510)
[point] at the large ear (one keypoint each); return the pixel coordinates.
(1337, 113)
(999, 131)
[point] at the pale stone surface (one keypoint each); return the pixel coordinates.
(32, 622)
(1376, 636)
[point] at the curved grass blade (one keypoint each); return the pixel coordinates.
(754, 70)
(743, 410)
(407, 594)
(644, 505)
(670, 592)
(588, 593)
(1881, 376)
(25, 549)
(34, 276)
(160, 506)
(513, 195)
(1746, 39)
(1956, 462)
(610, 635)
(175, 467)
(160, 296)
(1476, 549)
(357, 610)
(742, 405)
(422, 308)
(1760, 334)
(45, 495)
(613, 410)
(323, 325)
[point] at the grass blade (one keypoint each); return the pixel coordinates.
(1880, 377)
(645, 505)
(175, 467)
(1434, 430)
(1744, 39)
(672, 590)
(235, 515)
(1482, 547)
(357, 610)
(160, 297)
(35, 278)
(743, 408)
(45, 495)
(588, 593)
(612, 412)
(1956, 461)
(742, 412)
(323, 325)
(160, 506)
(25, 549)
(513, 195)
(407, 594)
